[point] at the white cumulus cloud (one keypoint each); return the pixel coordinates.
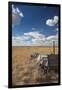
(20, 40)
(53, 38)
(53, 21)
(34, 39)
(35, 35)
(16, 15)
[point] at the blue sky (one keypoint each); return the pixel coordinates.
(34, 25)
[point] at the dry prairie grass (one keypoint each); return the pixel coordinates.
(26, 71)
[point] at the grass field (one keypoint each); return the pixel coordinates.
(25, 71)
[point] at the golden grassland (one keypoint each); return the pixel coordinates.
(25, 71)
